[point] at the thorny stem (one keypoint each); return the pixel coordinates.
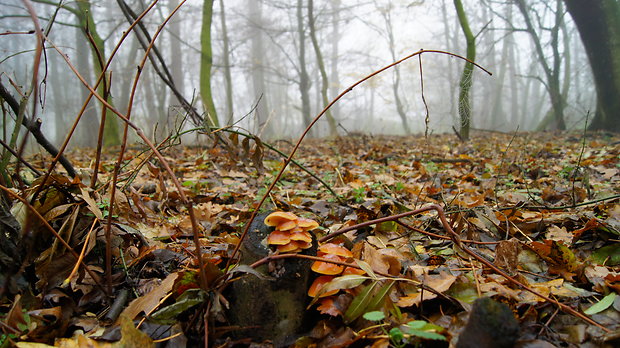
(316, 119)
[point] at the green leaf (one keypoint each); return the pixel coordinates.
(379, 298)
(187, 300)
(344, 282)
(416, 324)
(359, 305)
(396, 335)
(427, 335)
(366, 267)
(374, 316)
(601, 305)
(608, 255)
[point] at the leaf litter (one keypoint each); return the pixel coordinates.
(544, 208)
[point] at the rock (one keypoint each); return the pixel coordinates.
(491, 325)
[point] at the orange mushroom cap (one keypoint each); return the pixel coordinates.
(279, 217)
(279, 238)
(335, 249)
(307, 224)
(318, 283)
(291, 247)
(326, 267)
(302, 236)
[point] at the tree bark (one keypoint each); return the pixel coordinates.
(304, 80)
(226, 63)
(258, 60)
(598, 23)
(321, 64)
(206, 63)
(466, 76)
(552, 73)
(87, 24)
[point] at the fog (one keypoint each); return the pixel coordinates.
(274, 92)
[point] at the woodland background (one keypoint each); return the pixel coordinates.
(270, 66)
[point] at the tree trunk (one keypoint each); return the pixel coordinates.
(598, 23)
(304, 80)
(552, 74)
(335, 37)
(258, 63)
(206, 63)
(87, 24)
(400, 107)
(226, 63)
(176, 53)
(321, 64)
(466, 76)
(87, 128)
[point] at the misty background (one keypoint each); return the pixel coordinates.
(266, 77)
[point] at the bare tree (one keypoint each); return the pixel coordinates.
(321, 65)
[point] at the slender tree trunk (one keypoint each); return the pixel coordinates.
(304, 80)
(206, 63)
(88, 126)
(334, 90)
(466, 76)
(87, 24)
(226, 63)
(400, 107)
(552, 73)
(258, 63)
(175, 52)
(321, 64)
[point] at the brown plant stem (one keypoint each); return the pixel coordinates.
(316, 119)
(183, 198)
(459, 243)
(53, 231)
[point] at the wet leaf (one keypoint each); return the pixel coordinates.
(601, 305)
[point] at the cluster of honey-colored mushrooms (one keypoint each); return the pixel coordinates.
(329, 271)
(292, 235)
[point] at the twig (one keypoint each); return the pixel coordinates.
(19, 158)
(35, 130)
(53, 231)
(316, 119)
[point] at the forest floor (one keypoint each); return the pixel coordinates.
(543, 209)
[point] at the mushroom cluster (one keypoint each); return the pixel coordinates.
(291, 234)
(329, 271)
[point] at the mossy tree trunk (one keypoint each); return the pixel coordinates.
(466, 76)
(206, 63)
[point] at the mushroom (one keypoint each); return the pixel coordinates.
(291, 233)
(318, 284)
(326, 267)
(335, 249)
(281, 220)
(278, 237)
(307, 224)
